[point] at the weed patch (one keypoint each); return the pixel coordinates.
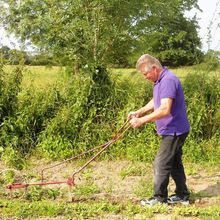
(144, 188)
(97, 209)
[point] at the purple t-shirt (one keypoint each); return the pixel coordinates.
(169, 86)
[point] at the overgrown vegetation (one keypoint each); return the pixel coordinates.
(58, 122)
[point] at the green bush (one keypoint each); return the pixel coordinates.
(34, 109)
(60, 122)
(12, 158)
(210, 62)
(203, 102)
(9, 89)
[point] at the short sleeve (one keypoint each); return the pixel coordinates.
(168, 89)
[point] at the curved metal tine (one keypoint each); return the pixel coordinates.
(77, 156)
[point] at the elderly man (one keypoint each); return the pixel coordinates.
(167, 108)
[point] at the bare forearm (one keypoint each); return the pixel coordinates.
(157, 114)
(162, 111)
(146, 108)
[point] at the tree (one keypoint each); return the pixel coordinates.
(80, 32)
(92, 32)
(5, 52)
(211, 60)
(14, 56)
(175, 44)
(86, 35)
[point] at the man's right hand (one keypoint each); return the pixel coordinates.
(133, 115)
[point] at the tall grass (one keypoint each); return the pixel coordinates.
(39, 77)
(59, 120)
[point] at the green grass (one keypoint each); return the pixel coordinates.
(134, 170)
(41, 76)
(144, 188)
(24, 209)
(181, 72)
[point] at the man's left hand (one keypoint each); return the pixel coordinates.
(136, 122)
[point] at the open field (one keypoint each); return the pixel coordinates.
(42, 77)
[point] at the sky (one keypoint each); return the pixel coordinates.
(209, 17)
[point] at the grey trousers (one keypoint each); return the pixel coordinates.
(168, 162)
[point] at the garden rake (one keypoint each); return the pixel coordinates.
(70, 181)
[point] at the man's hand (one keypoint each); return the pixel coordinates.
(136, 122)
(133, 115)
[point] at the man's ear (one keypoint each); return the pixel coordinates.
(154, 67)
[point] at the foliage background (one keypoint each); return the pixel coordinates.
(76, 114)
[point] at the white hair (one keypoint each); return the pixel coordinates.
(149, 61)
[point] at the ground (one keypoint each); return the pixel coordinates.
(122, 181)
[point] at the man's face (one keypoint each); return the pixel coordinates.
(150, 74)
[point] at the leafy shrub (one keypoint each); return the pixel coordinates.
(60, 122)
(202, 97)
(13, 158)
(9, 89)
(21, 130)
(210, 61)
(38, 193)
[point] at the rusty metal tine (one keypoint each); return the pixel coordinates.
(70, 181)
(79, 155)
(19, 186)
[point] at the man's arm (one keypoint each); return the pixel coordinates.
(162, 111)
(148, 107)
